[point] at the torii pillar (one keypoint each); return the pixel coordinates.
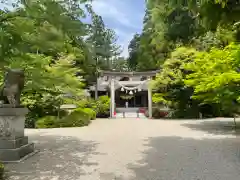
(149, 99)
(113, 74)
(112, 95)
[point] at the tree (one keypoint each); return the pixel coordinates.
(193, 34)
(169, 84)
(120, 64)
(103, 47)
(133, 50)
(165, 27)
(46, 41)
(216, 78)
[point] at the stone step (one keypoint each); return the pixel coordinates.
(13, 144)
(130, 115)
(11, 155)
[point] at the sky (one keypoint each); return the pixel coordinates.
(125, 17)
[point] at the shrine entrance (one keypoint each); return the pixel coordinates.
(129, 91)
(137, 99)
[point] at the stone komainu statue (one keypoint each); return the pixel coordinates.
(12, 87)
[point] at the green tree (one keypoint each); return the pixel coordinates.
(133, 50)
(215, 77)
(120, 64)
(165, 27)
(46, 41)
(169, 84)
(103, 47)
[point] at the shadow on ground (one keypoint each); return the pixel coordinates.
(162, 158)
(215, 126)
(59, 158)
(175, 158)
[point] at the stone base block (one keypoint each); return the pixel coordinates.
(14, 155)
(13, 144)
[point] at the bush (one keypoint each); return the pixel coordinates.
(158, 113)
(40, 105)
(103, 107)
(47, 122)
(91, 112)
(90, 103)
(31, 119)
(77, 118)
(2, 174)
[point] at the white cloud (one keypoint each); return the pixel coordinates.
(125, 44)
(113, 9)
(125, 51)
(124, 39)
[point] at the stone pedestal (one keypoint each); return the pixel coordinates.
(14, 144)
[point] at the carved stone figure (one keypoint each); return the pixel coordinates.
(12, 87)
(5, 130)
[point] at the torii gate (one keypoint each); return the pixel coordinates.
(112, 80)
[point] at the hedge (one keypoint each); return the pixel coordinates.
(91, 112)
(46, 122)
(77, 118)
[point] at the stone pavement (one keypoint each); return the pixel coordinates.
(130, 149)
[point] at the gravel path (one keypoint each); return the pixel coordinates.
(130, 149)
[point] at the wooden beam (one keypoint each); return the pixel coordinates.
(129, 74)
(126, 83)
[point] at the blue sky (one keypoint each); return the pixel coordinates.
(125, 17)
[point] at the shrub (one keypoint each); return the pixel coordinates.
(47, 122)
(158, 113)
(87, 103)
(100, 106)
(2, 174)
(31, 119)
(103, 107)
(40, 105)
(91, 112)
(77, 118)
